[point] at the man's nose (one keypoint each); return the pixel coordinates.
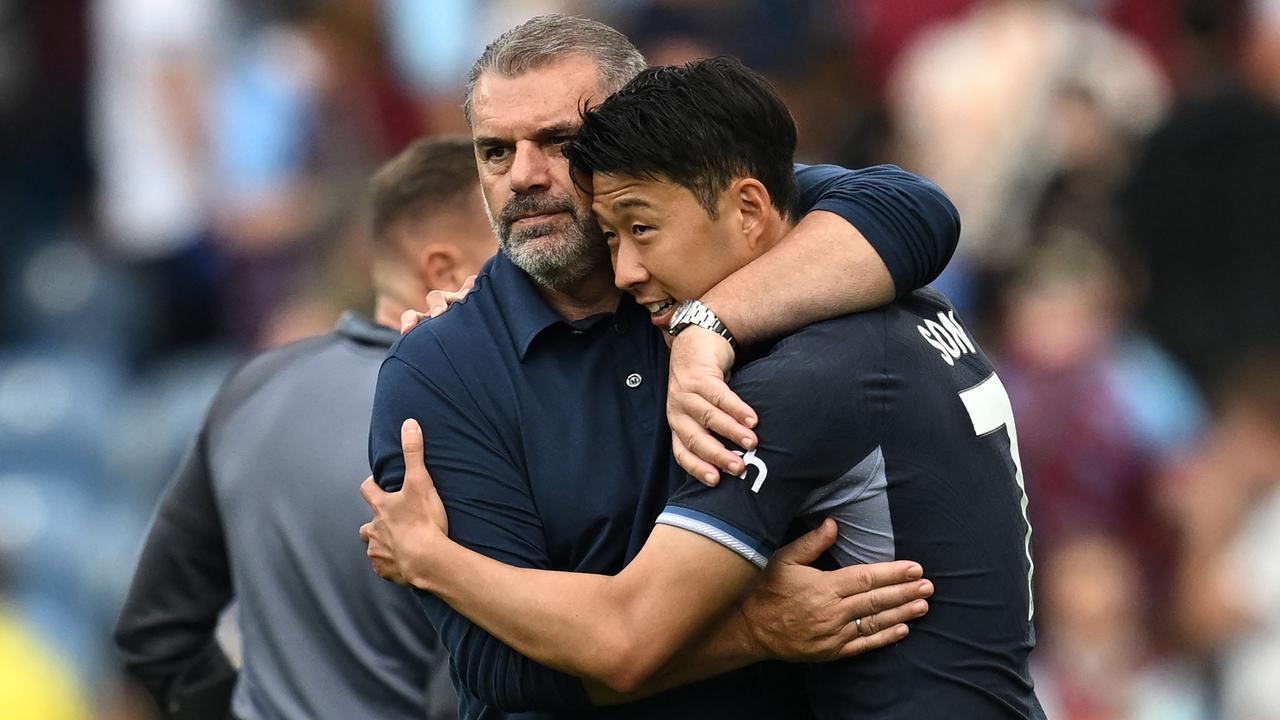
(530, 170)
(628, 272)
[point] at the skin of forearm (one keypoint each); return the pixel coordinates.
(822, 269)
(728, 646)
(611, 630)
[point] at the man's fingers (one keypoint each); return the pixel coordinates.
(867, 643)
(703, 472)
(415, 467)
(879, 630)
(370, 491)
(728, 401)
(805, 549)
(854, 579)
(888, 600)
(437, 303)
(721, 423)
(708, 449)
(409, 320)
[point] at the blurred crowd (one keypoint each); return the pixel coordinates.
(181, 183)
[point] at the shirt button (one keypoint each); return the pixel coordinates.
(634, 380)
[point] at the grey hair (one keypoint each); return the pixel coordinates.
(546, 39)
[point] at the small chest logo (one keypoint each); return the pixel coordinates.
(947, 336)
(762, 470)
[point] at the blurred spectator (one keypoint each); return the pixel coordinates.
(302, 114)
(1262, 49)
(1100, 407)
(34, 682)
(1228, 502)
(432, 45)
(155, 63)
(1201, 209)
(976, 107)
(1094, 661)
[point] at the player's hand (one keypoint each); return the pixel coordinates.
(700, 403)
(799, 614)
(438, 301)
(405, 522)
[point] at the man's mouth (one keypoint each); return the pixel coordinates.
(541, 217)
(660, 312)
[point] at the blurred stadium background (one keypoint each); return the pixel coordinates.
(180, 184)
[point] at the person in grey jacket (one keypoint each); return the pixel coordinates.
(262, 508)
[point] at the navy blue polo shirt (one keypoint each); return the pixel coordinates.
(548, 443)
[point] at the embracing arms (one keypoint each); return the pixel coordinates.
(620, 633)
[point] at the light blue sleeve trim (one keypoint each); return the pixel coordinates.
(715, 529)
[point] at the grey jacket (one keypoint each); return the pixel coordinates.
(265, 509)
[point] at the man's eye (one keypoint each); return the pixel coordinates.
(610, 237)
(496, 153)
(640, 229)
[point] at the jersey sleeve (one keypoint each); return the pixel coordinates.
(490, 510)
(818, 419)
(165, 632)
(910, 222)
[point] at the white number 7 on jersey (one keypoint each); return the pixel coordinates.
(989, 410)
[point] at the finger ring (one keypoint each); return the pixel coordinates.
(857, 623)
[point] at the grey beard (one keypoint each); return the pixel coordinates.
(563, 267)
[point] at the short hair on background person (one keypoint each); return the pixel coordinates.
(699, 125)
(551, 38)
(430, 175)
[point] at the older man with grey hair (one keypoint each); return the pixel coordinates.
(543, 392)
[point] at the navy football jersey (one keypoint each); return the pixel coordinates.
(893, 423)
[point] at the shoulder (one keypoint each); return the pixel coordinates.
(817, 357)
(258, 371)
(879, 174)
(467, 330)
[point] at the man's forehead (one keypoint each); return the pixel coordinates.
(612, 192)
(552, 94)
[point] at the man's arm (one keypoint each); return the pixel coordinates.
(867, 236)
(621, 630)
(491, 510)
(165, 631)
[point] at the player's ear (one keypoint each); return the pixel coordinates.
(442, 266)
(753, 204)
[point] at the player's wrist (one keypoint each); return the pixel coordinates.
(429, 565)
(747, 642)
(695, 314)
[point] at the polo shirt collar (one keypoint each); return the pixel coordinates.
(527, 314)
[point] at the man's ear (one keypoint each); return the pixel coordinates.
(754, 205)
(441, 266)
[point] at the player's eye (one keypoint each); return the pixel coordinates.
(637, 230)
(495, 154)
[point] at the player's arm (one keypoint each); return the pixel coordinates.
(867, 235)
(619, 630)
(794, 612)
(165, 632)
(493, 514)
(616, 630)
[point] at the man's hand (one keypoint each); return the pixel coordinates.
(404, 523)
(438, 301)
(699, 403)
(799, 614)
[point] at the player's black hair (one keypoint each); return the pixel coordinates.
(699, 125)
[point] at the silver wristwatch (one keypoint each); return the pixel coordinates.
(693, 312)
